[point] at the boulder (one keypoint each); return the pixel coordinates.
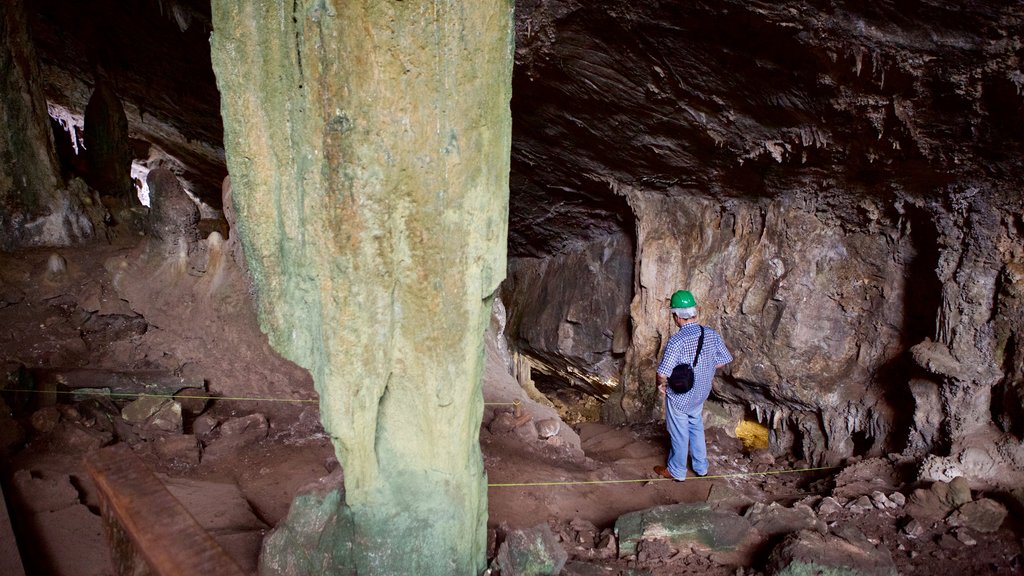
(958, 492)
(173, 216)
(682, 525)
(726, 498)
(865, 477)
(846, 553)
(774, 519)
(530, 552)
(984, 515)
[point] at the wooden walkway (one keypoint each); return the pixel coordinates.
(147, 526)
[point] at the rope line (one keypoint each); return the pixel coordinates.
(718, 476)
(97, 392)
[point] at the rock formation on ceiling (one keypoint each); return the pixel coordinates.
(838, 182)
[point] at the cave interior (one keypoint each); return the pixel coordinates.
(838, 183)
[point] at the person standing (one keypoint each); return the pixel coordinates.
(684, 410)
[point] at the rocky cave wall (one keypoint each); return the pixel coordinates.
(838, 183)
(571, 313)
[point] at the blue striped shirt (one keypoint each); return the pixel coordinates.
(680, 349)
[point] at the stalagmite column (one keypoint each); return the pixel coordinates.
(368, 147)
(29, 176)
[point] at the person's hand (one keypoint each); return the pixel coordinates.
(662, 388)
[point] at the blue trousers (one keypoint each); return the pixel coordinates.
(687, 432)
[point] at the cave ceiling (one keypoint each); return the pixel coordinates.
(729, 99)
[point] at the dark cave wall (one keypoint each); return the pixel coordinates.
(34, 210)
(569, 313)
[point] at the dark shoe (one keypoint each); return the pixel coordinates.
(664, 473)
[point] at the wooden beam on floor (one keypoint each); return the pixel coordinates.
(145, 523)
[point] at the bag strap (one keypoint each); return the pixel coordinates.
(700, 344)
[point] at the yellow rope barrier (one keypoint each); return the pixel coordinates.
(97, 392)
(736, 475)
(85, 392)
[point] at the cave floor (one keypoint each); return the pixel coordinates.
(243, 484)
(267, 474)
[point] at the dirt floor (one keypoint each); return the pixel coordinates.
(236, 462)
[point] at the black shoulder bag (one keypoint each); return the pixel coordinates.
(681, 380)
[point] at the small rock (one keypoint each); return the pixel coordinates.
(829, 506)
(139, 410)
(183, 450)
(881, 501)
(585, 532)
(548, 427)
(965, 537)
(913, 529)
(527, 430)
(898, 499)
(607, 546)
(245, 429)
(45, 419)
(204, 425)
(502, 423)
(167, 419)
(69, 413)
(861, 505)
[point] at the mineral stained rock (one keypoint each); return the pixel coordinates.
(368, 148)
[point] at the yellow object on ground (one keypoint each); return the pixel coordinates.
(753, 434)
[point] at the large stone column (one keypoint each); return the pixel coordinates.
(368, 146)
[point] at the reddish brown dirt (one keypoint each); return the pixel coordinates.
(55, 322)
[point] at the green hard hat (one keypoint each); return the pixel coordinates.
(683, 299)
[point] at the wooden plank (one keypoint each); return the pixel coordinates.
(10, 558)
(141, 510)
